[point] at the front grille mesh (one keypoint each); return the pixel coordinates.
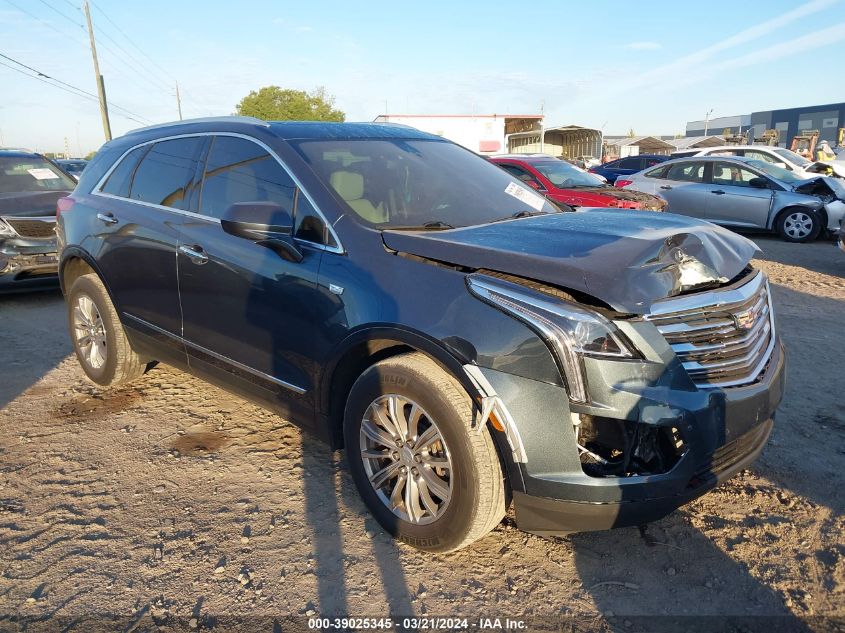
(33, 228)
(727, 339)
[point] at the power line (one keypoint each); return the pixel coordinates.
(36, 18)
(158, 86)
(130, 40)
(69, 19)
(41, 76)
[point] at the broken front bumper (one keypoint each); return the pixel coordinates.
(27, 264)
(724, 430)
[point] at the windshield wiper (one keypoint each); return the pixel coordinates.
(434, 225)
(521, 214)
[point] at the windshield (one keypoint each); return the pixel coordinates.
(566, 176)
(778, 173)
(399, 183)
(24, 174)
(792, 157)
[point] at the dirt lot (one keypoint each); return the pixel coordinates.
(172, 499)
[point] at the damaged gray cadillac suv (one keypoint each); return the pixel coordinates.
(468, 343)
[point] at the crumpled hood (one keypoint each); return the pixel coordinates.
(627, 259)
(821, 185)
(30, 203)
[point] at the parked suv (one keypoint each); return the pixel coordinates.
(469, 344)
(561, 182)
(29, 187)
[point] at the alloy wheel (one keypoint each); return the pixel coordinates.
(406, 459)
(798, 225)
(89, 331)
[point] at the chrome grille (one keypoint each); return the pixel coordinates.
(723, 338)
(33, 227)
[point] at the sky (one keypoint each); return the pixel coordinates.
(616, 66)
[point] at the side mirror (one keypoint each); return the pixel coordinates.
(759, 183)
(265, 223)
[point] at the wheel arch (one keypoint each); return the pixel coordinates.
(363, 348)
(820, 212)
(76, 262)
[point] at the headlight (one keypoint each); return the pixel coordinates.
(571, 331)
(5, 229)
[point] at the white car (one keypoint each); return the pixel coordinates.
(779, 156)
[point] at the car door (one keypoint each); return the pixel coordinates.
(246, 309)
(139, 212)
(682, 185)
(733, 201)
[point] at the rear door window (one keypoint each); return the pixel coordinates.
(166, 173)
(686, 172)
(628, 163)
(659, 172)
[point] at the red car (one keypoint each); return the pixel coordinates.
(562, 182)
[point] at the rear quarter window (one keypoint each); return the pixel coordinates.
(119, 181)
(659, 172)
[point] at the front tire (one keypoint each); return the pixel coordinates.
(98, 337)
(798, 225)
(427, 477)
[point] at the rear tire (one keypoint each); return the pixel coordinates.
(420, 417)
(798, 225)
(98, 337)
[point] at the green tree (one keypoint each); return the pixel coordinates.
(273, 103)
(90, 155)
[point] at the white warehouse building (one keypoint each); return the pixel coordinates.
(490, 134)
(481, 133)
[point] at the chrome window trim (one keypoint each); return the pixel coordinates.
(97, 190)
(226, 359)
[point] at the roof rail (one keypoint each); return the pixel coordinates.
(209, 119)
(16, 149)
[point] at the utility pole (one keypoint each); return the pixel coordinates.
(101, 87)
(178, 101)
(542, 126)
(707, 120)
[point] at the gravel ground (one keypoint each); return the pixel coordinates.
(171, 500)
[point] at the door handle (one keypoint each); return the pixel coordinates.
(718, 192)
(108, 218)
(194, 253)
(665, 186)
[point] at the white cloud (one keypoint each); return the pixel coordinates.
(644, 46)
(691, 66)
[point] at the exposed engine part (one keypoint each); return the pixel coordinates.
(619, 448)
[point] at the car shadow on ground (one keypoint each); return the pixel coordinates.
(33, 340)
(821, 255)
(806, 453)
(327, 501)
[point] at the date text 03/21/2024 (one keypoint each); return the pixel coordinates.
(417, 623)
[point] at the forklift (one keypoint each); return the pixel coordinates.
(804, 144)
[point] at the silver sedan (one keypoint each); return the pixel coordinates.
(745, 193)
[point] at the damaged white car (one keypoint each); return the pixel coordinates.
(743, 192)
(780, 157)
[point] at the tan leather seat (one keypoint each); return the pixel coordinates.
(350, 187)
